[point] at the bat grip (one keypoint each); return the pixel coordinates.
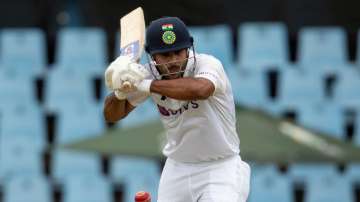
(127, 86)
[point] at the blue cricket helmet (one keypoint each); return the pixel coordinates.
(167, 34)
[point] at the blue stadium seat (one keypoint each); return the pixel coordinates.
(322, 46)
(353, 172)
(69, 164)
(249, 87)
(82, 48)
(333, 189)
(303, 173)
(347, 87)
(23, 51)
(65, 88)
(262, 45)
(265, 169)
(296, 85)
(216, 41)
(23, 121)
(136, 174)
(19, 158)
(91, 189)
(78, 122)
(142, 114)
(15, 89)
(270, 187)
(324, 118)
(26, 189)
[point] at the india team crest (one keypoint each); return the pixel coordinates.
(169, 37)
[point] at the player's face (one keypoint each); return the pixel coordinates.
(171, 64)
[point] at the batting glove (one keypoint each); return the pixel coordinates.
(119, 65)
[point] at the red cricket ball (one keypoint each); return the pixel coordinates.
(142, 196)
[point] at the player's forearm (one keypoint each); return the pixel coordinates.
(183, 88)
(115, 109)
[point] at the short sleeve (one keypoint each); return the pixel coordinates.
(210, 68)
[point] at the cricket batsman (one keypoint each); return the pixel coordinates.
(195, 101)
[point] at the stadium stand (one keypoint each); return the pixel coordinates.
(15, 89)
(75, 89)
(346, 90)
(23, 51)
(89, 188)
(262, 45)
(333, 189)
(28, 188)
(19, 158)
(296, 85)
(214, 40)
(325, 118)
(136, 174)
(69, 94)
(249, 87)
(82, 49)
(303, 173)
(270, 187)
(320, 46)
(24, 122)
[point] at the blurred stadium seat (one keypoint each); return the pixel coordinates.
(353, 173)
(262, 45)
(322, 48)
(82, 48)
(19, 158)
(270, 187)
(78, 122)
(296, 85)
(75, 123)
(26, 189)
(258, 169)
(65, 87)
(23, 51)
(23, 121)
(216, 41)
(249, 87)
(135, 174)
(91, 189)
(346, 90)
(70, 164)
(334, 189)
(15, 89)
(324, 118)
(304, 173)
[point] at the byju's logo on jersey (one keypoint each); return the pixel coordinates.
(168, 112)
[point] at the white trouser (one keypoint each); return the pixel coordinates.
(225, 180)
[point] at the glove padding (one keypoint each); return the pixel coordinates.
(124, 70)
(119, 64)
(134, 74)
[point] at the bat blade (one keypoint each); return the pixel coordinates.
(132, 31)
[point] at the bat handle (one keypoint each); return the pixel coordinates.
(126, 87)
(126, 84)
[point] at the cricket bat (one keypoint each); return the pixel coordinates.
(132, 36)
